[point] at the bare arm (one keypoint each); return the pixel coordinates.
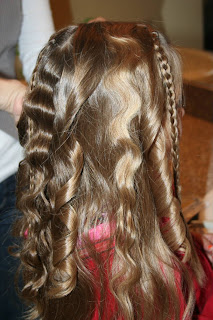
(11, 96)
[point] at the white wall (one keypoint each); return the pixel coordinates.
(181, 19)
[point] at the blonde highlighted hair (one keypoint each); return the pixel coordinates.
(100, 132)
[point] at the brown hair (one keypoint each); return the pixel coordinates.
(100, 132)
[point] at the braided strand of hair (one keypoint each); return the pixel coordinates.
(167, 78)
(187, 246)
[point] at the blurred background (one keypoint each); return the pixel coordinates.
(183, 21)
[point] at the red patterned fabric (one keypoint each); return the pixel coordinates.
(204, 296)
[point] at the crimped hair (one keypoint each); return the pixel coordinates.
(100, 132)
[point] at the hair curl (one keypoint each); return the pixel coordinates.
(100, 132)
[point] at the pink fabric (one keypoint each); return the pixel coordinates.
(204, 296)
(26, 234)
(102, 231)
(100, 235)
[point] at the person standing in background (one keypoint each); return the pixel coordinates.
(29, 24)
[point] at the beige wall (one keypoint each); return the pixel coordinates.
(184, 22)
(126, 10)
(182, 19)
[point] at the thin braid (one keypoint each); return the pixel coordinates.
(187, 246)
(167, 78)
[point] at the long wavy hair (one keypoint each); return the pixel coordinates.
(101, 138)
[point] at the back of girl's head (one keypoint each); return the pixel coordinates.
(100, 131)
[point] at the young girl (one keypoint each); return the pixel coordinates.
(102, 228)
